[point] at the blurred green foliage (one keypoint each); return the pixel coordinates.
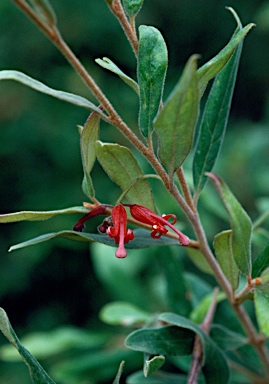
(56, 283)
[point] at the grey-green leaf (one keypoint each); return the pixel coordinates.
(40, 87)
(215, 367)
(200, 310)
(108, 64)
(240, 224)
(37, 373)
(261, 301)
(142, 239)
(168, 340)
(39, 215)
(261, 262)
(176, 121)
(224, 254)
(177, 294)
(153, 364)
(214, 121)
(122, 167)
(209, 70)
(88, 138)
(151, 71)
(124, 313)
(119, 373)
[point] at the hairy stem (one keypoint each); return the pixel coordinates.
(197, 353)
(128, 28)
(185, 188)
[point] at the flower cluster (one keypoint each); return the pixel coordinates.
(116, 225)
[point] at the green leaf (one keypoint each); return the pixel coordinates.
(45, 10)
(240, 224)
(265, 275)
(153, 364)
(122, 167)
(39, 215)
(226, 339)
(37, 373)
(50, 343)
(108, 64)
(224, 254)
(40, 87)
(215, 367)
(176, 121)
(199, 312)
(88, 138)
(214, 121)
(199, 260)
(261, 301)
(142, 239)
(123, 313)
(168, 340)
(177, 294)
(215, 65)
(151, 71)
(119, 373)
(261, 262)
(132, 7)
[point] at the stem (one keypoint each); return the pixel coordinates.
(129, 29)
(197, 353)
(185, 188)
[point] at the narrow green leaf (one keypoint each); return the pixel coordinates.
(265, 276)
(215, 367)
(123, 313)
(199, 260)
(44, 345)
(261, 262)
(40, 87)
(88, 138)
(132, 7)
(151, 71)
(39, 215)
(209, 70)
(142, 239)
(168, 340)
(45, 10)
(119, 373)
(199, 312)
(108, 64)
(224, 254)
(261, 301)
(37, 373)
(122, 167)
(214, 121)
(177, 293)
(240, 224)
(153, 364)
(176, 121)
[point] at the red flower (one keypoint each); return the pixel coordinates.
(119, 230)
(99, 210)
(146, 216)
